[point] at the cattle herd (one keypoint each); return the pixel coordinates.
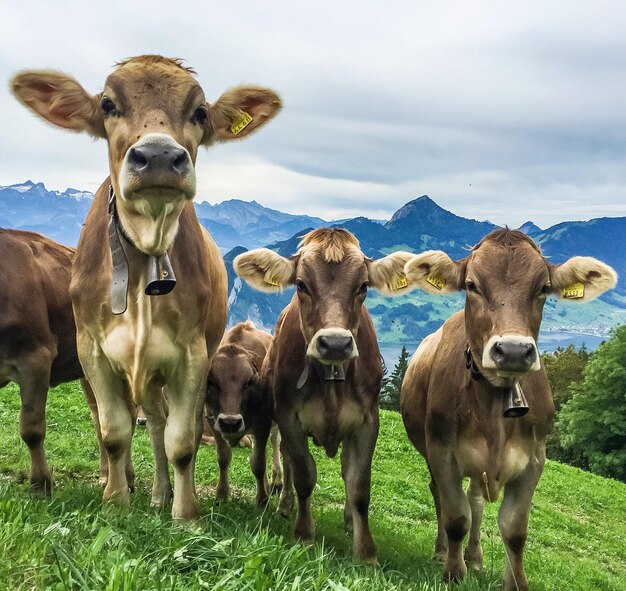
(138, 313)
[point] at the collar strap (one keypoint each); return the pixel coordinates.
(161, 278)
(471, 365)
(331, 373)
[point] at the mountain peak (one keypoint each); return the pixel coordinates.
(530, 228)
(423, 205)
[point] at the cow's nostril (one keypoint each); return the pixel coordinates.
(530, 355)
(137, 158)
(179, 161)
(497, 351)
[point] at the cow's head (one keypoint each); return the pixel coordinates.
(154, 116)
(332, 277)
(507, 281)
(233, 382)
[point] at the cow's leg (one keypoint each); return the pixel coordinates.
(258, 460)
(185, 401)
(285, 502)
(304, 474)
(155, 412)
(455, 509)
(347, 508)
(103, 468)
(356, 455)
(33, 379)
(277, 466)
(224, 456)
(513, 522)
(116, 416)
(473, 551)
(441, 542)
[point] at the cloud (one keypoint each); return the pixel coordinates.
(496, 110)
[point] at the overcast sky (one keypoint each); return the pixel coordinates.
(497, 110)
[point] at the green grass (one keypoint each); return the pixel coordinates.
(577, 537)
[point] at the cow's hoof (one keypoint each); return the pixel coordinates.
(474, 560)
(222, 492)
(454, 573)
(119, 498)
(41, 485)
(305, 530)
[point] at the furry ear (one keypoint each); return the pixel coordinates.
(435, 272)
(241, 111)
(265, 269)
(582, 279)
(59, 99)
(387, 274)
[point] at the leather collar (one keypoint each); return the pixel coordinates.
(161, 278)
(471, 365)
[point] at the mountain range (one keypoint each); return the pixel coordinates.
(419, 225)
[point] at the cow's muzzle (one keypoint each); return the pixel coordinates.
(331, 346)
(157, 166)
(230, 425)
(511, 355)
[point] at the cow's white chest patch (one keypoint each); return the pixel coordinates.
(141, 348)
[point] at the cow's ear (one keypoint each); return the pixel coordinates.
(581, 279)
(59, 99)
(241, 111)
(265, 269)
(435, 272)
(387, 274)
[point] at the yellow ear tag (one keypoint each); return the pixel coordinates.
(574, 291)
(400, 283)
(271, 281)
(241, 122)
(436, 282)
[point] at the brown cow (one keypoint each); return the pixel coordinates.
(38, 336)
(463, 383)
(135, 335)
(237, 405)
(324, 367)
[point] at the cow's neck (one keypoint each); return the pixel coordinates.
(132, 269)
(512, 398)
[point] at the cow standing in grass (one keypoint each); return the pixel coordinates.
(237, 404)
(462, 380)
(38, 337)
(323, 368)
(135, 335)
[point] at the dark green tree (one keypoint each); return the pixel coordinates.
(564, 367)
(390, 393)
(593, 423)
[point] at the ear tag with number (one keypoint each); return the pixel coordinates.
(271, 281)
(400, 283)
(574, 291)
(436, 282)
(241, 122)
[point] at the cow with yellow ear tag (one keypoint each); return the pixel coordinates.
(476, 400)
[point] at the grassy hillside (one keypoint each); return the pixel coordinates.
(577, 538)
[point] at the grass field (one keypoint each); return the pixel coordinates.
(577, 537)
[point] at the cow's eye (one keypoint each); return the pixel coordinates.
(471, 286)
(301, 286)
(200, 116)
(108, 106)
(545, 290)
(363, 288)
(249, 383)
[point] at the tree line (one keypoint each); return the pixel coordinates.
(589, 391)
